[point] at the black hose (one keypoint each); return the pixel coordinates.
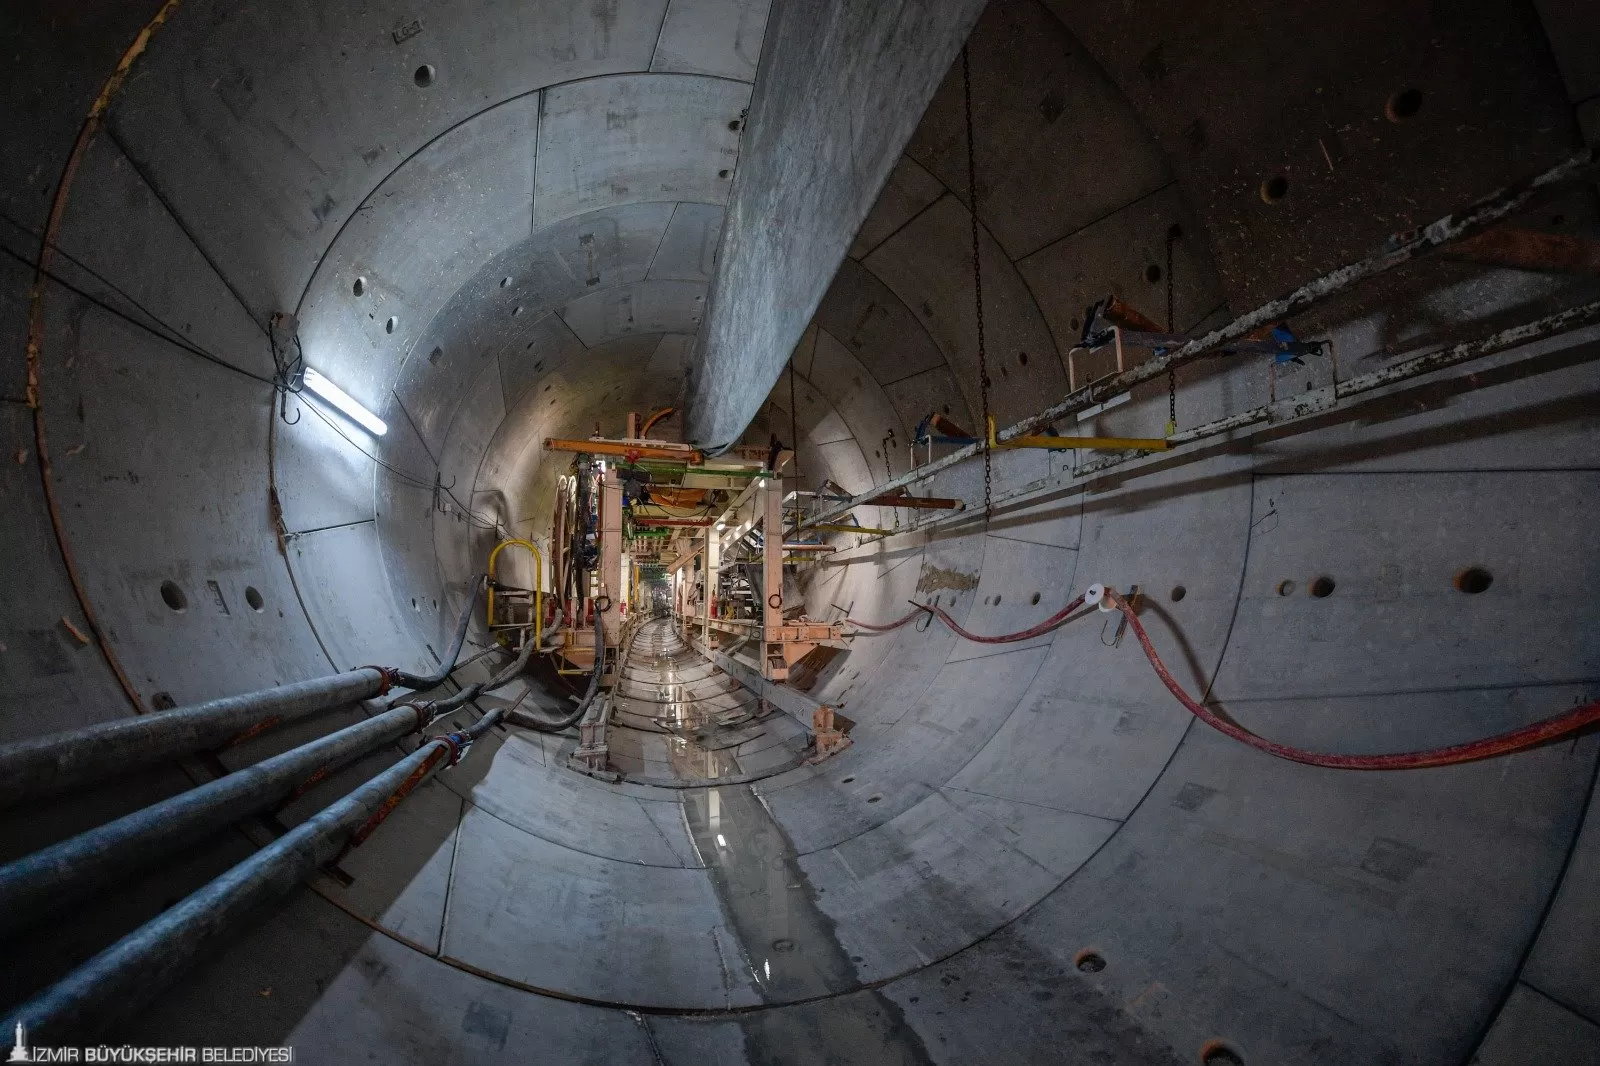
(421, 683)
(439, 708)
(547, 725)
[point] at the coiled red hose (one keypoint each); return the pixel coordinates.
(1504, 744)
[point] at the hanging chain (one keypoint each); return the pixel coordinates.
(794, 434)
(977, 281)
(1174, 231)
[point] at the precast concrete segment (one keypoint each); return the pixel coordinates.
(1295, 915)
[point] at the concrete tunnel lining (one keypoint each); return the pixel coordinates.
(999, 812)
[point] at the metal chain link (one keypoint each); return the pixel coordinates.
(1174, 231)
(794, 432)
(977, 281)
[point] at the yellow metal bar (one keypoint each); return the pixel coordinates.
(538, 586)
(1104, 444)
(629, 449)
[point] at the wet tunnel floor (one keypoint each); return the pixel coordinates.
(789, 949)
(678, 721)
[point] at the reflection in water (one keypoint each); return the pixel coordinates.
(677, 719)
(790, 948)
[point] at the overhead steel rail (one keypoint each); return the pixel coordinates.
(1399, 249)
(1299, 408)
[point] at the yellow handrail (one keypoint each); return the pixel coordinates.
(538, 587)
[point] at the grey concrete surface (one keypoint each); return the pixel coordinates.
(796, 208)
(545, 217)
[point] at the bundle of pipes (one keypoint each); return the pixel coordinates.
(61, 761)
(115, 983)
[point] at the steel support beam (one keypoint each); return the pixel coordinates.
(772, 570)
(1399, 249)
(631, 450)
(612, 585)
(1324, 399)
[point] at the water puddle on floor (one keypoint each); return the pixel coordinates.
(789, 946)
(679, 721)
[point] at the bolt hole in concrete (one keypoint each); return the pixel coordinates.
(504, 282)
(1286, 588)
(1322, 587)
(1473, 580)
(360, 286)
(424, 76)
(515, 311)
(173, 596)
(876, 797)
(783, 944)
(388, 327)
(1035, 599)
(847, 780)
(253, 598)
(1403, 105)
(1178, 593)
(1090, 961)
(734, 125)
(997, 599)
(1022, 357)
(722, 173)
(1274, 189)
(1216, 1053)
(1152, 273)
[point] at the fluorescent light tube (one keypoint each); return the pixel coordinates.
(319, 384)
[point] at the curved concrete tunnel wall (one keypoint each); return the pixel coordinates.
(999, 812)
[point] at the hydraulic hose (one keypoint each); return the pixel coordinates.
(56, 876)
(1504, 744)
(60, 761)
(436, 709)
(1055, 621)
(421, 682)
(124, 977)
(555, 725)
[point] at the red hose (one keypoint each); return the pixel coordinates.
(896, 624)
(1503, 744)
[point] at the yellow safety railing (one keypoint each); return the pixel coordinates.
(538, 586)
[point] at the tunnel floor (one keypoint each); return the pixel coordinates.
(678, 721)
